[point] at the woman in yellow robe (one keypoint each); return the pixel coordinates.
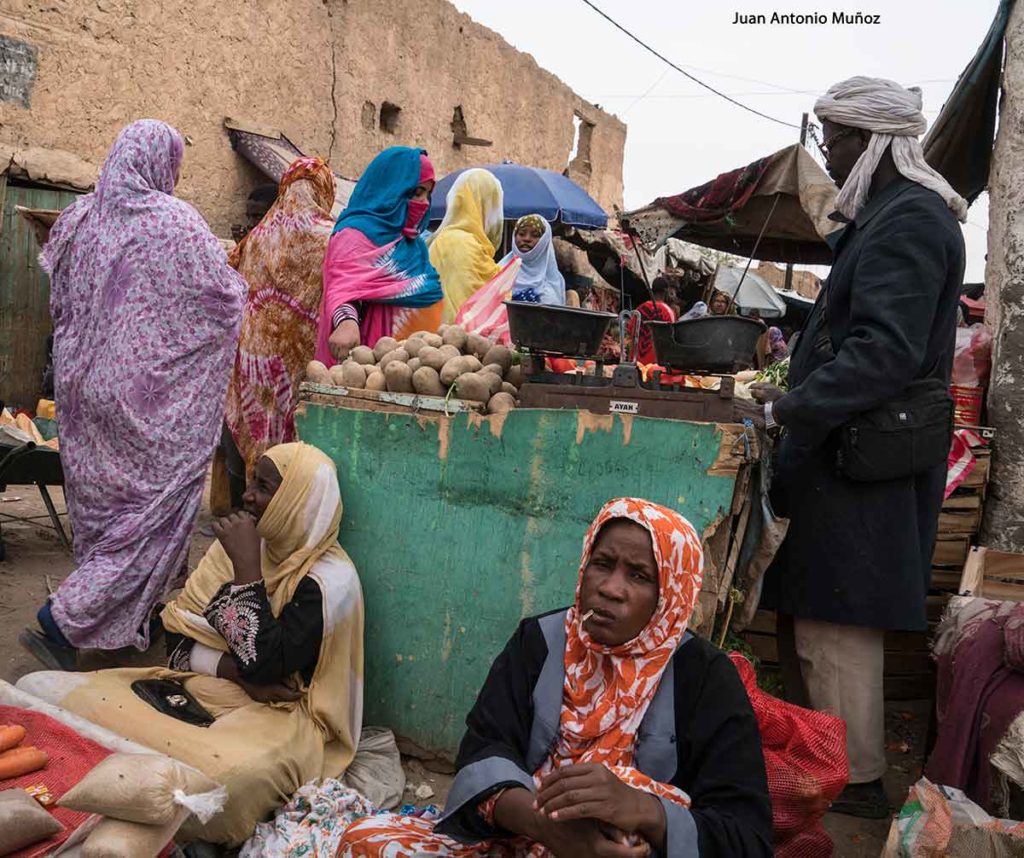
(463, 248)
(268, 639)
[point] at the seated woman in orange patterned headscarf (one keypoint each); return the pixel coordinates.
(607, 728)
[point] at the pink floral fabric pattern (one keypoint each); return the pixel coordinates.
(146, 313)
(235, 614)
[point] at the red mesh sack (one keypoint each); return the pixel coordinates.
(72, 757)
(805, 757)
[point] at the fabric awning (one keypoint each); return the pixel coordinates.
(729, 212)
(959, 143)
(270, 152)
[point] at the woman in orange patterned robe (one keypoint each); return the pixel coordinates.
(281, 259)
(607, 728)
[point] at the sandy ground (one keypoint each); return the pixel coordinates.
(36, 561)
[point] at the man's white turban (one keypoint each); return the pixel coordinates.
(893, 115)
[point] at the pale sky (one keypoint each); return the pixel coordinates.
(680, 135)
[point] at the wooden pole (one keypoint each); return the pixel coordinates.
(789, 265)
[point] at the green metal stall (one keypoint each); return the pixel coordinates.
(462, 525)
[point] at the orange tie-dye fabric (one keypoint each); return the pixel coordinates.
(281, 260)
(606, 694)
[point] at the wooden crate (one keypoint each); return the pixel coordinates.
(978, 478)
(994, 575)
(951, 552)
(957, 522)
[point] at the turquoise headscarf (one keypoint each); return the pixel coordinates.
(378, 208)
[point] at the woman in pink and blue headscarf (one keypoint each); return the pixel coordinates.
(378, 280)
(146, 314)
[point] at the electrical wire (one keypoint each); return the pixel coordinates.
(682, 71)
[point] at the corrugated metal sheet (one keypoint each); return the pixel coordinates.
(24, 296)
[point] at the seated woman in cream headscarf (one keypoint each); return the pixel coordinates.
(463, 248)
(267, 636)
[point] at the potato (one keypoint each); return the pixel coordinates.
(430, 338)
(414, 363)
(455, 335)
(453, 369)
(413, 345)
(434, 358)
(478, 345)
(510, 389)
(337, 373)
(493, 380)
(449, 351)
(384, 345)
(514, 376)
(317, 373)
(472, 386)
(427, 382)
(398, 377)
(400, 355)
(499, 355)
(500, 403)
(363, 355)
(495, 368)
(376, 381)
(354, 375)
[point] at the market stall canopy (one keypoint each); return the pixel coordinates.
(750, 292)
(959, 143)
(617, 258)
(532, 190)
(270, 152)
(729, 212)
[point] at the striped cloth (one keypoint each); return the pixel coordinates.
(484, 312)
(961, 459)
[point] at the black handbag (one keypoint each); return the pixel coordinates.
(904, 437)
(170, 697)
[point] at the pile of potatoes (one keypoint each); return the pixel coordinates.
(472, 367)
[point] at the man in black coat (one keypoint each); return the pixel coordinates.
(857, 558)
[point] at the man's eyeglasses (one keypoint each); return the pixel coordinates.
(827, 145)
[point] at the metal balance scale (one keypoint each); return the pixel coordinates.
(543, 331)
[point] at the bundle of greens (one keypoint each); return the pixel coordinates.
(776, 374)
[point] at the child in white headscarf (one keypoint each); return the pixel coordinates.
(539, 281)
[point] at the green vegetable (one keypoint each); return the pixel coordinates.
(777, 374)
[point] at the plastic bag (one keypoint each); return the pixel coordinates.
(376, 772)
(937, 821)
(23, 821)
(149, 789)
(805, 758)
(114, 838)
(972, 358)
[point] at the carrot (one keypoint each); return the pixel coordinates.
(10, 736)
(21, 761)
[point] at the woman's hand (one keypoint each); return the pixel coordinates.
(241, 542)
(279, 692)
(343, 339)
(591, 791)
(582, 838)
(515, 812)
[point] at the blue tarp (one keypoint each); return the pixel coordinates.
(532, 190)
